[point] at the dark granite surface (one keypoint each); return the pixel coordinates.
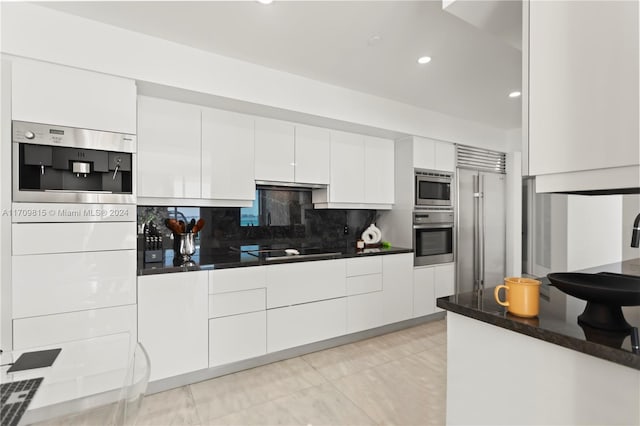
(553, 324)
(232, 258)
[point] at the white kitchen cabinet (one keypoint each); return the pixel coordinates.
(397, 281)
(237, 337)
(227, 155)
(379, 176)
(274, 147)
(44, 330)
(72, 237)
(237, 302)
(433, 155)
(291, 153)
(362, 173)
(312, 154)
(444, 280)
(364, 275)
(424, 302)
(169, 149)
(297, 325)
(303, 282)
(66, 282)
(237, 279)
(53, 94)
(583, 109)
(347, 168)
(394, 303)
(173, 322)
(430, 283)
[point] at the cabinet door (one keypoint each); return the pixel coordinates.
(237, 337)
(227, 156)
(424, 302)
(65, 96)
(168, 149)
(365, 311)
(312, 152)
(173, 322)
(378, 170)
(274, 150)
(583, 111)
(424, 153)
(397, 283)
(444, 279)
(445, 156)
(347, 168)
(307, 323)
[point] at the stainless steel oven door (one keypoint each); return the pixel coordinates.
(433, 244)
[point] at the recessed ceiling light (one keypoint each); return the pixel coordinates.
(515, 94)
(424, 59)
(265, 1)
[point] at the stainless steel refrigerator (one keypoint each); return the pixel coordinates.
(481, 223)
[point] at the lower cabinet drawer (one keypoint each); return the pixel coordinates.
(237, 337)
(237, 302)
(364, 284)
(67, 282)
(51, 329)
(301, 324)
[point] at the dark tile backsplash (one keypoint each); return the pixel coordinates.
(279, 218)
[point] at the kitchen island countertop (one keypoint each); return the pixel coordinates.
(555, 324)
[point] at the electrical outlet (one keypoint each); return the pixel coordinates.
(346, 229)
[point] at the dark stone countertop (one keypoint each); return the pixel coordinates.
(554, 324)
(230, 258)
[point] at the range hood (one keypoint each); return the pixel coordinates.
(268, 184)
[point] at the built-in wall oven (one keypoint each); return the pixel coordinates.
(433, 237)
(433, 189)
(70, 165)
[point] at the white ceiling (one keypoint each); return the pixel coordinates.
(470, 76)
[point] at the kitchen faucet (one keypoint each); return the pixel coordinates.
(635, 236)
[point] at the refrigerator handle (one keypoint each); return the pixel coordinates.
(476, 236)
(481, 230)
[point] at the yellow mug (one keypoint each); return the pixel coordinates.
(522, 296)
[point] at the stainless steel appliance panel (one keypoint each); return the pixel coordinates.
(481, 229)
(433, 237)
(433, 189)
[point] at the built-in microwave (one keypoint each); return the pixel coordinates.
(433, 188)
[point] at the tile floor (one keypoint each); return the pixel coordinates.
(394, 379)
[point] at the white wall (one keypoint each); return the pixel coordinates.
(79, 42)
(593, 230)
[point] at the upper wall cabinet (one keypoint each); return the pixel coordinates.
(168, 149)
(290, 153)
(189, 154)
(433, 155)
(227, 155)
(313, 147)
(64, 96)
(583, 95)
(362, 173)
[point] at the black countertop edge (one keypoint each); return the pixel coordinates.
(526, 326)
(225, 264)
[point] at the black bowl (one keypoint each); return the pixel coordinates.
(605, 293)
